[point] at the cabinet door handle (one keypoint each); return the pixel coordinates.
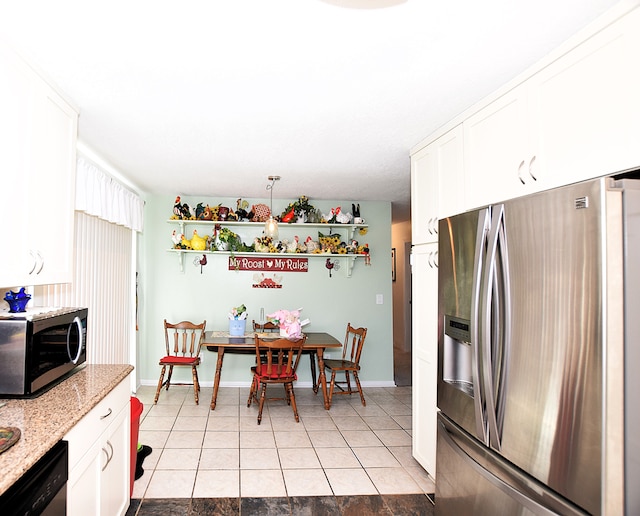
(520, 167)
(106, 415)
(35, 261)
(108, 453)
(531, 163)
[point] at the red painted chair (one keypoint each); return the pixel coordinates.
(183, 342)
(276, 363)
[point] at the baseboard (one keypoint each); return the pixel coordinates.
(304, 385)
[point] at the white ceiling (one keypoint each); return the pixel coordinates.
(209, 97)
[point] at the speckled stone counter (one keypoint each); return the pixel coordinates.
(45, 420)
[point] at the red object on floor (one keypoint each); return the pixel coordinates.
(136, 411)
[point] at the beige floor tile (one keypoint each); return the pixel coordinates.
(318, 423)
(326, 439)
(253, 458)
(350, 423)
(350, 482)
(163, 410)
(154, 438)
(221, 440)
(257, 440)
(337, 458)
(370, 410)
(404, 421)
(341, 409)
(180, 439)
(306, 482)
(158, 423)
(404, 455)
(361, 438)
(250, 423)
(422, 478)
(262, 483)
(181, 459)
(223, 423)
(376, 457)
(140, 485)
(381, 423)
(217, 484)
(292, 439)
(286, 422)
(393, 481)
(219, 458)
(224, 410)
(394, 437)
(298, 458)
(171, 484)
(201, 410)
(190, 423)
(396, 409)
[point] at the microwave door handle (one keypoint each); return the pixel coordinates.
(78, 323)
(476, 348)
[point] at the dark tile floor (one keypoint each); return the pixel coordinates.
(396, 505)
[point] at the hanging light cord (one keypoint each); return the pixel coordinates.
(273, 179)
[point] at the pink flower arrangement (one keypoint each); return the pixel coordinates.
(289, 322)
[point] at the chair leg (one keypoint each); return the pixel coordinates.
(355, 376)
(252, 391)
(196, 385)
(292, 396)
(314, 378)
(169, 376)
(332, 387)
(262, 398)
(160, 382)
(348, 389)
(287, 397)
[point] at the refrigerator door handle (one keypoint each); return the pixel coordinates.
(484, 221)
(510, 491)
(495, 323)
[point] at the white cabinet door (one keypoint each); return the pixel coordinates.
(450, 164)
(424, 354)
(424, 196)
(496, 157)
(585, 107)
(37, 152)
(115, 466)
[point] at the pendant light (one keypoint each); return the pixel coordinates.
(271, 226)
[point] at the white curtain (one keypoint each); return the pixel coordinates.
(100, 195)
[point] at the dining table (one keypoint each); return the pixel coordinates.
(222, 342)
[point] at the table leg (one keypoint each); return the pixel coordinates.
(216, 379)
(322, 378)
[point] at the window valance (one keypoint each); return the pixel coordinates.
(99, 194)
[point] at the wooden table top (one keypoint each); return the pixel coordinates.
(215, 339)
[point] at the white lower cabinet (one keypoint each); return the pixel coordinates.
(99, 458)
(424, 362)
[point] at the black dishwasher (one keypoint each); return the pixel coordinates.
(43, 489)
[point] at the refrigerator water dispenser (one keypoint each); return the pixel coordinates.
(457, 357)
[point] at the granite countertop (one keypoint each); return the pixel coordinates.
(44, 420)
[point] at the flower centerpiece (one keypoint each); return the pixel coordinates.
(237, 321)
(298, 211)
(289, 323)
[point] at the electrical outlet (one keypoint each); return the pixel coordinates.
(378, 299)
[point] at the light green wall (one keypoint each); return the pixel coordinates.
(165, 292)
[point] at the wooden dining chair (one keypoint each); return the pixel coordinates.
(281, 362)
(350, 363)
(269, 327)
(183, 342)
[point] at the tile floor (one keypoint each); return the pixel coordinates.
(348, 450)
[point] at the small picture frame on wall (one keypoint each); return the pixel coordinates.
(393, 264)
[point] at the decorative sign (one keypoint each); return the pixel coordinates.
(266, 263)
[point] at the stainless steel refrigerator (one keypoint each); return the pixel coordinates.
(539, 354)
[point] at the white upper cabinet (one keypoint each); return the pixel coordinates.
(437, 185)
(576, 118)
(424, 196)
(38, 156)
(585, 107)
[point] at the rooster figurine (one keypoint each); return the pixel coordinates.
(329, 265)
(197, 242)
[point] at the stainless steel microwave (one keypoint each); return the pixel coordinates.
(39, 349)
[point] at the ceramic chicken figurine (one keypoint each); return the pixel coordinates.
(292, 246)
(342, 217)
(310, 244)
(176, 238)
(186, 244)
(197, 242)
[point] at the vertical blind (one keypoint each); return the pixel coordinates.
(102, 282)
